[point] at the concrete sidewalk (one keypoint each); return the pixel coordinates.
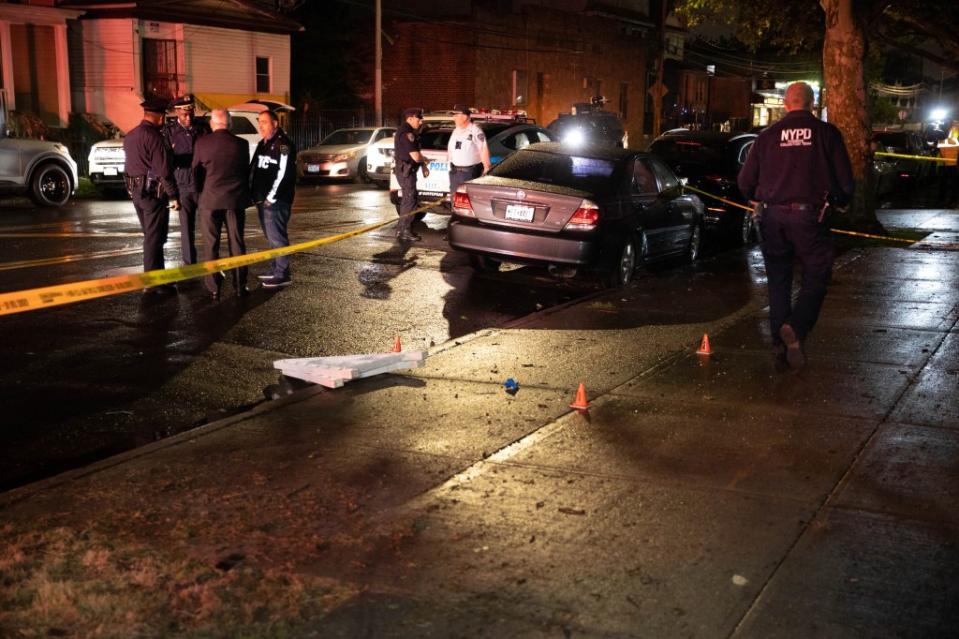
(708, 497)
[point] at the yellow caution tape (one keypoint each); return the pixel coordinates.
(37, 298)
(840, 231)
(927, 158)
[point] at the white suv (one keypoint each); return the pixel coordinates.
(42, 170)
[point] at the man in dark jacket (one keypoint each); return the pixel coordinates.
(797, 169)
(220, 168)
(272, 183)
(150, 183)
(181, 134)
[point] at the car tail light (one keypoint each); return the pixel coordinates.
(461, 202)
(585, 218)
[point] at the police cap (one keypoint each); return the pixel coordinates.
(462, 108)
(184, 102)
(413, 112)
(155, 105)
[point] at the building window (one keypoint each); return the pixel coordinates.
(160, 77)
(262, 75)
(520, 97)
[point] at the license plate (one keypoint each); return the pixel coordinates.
(313, 168)
(109, 170)
(519, 213)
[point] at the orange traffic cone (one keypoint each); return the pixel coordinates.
(704, 346)
(580, 403)
(397, 347)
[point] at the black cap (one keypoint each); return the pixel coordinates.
(462, 108)
(184, 102)
(155, 105)
(413, 112)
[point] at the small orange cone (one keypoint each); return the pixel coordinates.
(580, 403)
(397, 347)
(704, 346)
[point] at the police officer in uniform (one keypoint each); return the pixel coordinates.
(407, 160)
(797, 171)
(272, 184)
(181, 134)
(150, 183)
(468, 152)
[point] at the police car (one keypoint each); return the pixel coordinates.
(379, 158)
(506, 133)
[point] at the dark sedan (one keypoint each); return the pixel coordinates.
(601, 209)
(710, 162)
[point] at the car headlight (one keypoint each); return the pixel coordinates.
(574, 137)
(343, 157)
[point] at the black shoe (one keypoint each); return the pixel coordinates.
(409, 236)
(794, 353)
(162, 289)
(277, 282)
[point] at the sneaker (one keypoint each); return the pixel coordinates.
(409, 236)
(265, 276)
(277, 282)
(794, 354)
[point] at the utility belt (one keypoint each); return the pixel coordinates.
(144, 186)
(464, 169)
(405, 168)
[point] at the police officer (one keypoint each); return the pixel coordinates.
(407, 160)
(272, 183)
(797, 169)
(467, 149)
(150, 183)
(181, 134)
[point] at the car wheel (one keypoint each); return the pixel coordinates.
(362, 176)
(484, 264)
(695, 243)
(746, 229)
(50, 185)
(622, 270)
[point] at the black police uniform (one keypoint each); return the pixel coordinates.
(182, 140)
(406, 141)
(796, 168)
(150, 183)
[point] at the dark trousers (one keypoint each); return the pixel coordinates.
(188, 226)
(407, 203)
(274, 219)
(211, 224)
(790, 235)
(461, 174)
(155, 222)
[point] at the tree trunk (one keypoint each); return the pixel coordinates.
(843, 55)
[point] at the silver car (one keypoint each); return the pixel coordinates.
(42, 170)
(341, 154)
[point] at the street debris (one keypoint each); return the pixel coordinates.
(511, 386)
(333, 372)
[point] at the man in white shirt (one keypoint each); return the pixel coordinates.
(468, 153)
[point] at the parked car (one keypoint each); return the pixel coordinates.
(41, 170)
(502, 138)
(379, 159)
(710, 161)
(592, 208)
(107, 158)
(341, 154)
(905, 173)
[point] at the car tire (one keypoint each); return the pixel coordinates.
(50, 185)
(483, 264)
(695, 243)
(623, 268)
(362, 176)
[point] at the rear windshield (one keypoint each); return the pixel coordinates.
(693, 156)
(593, 175)
(348, 136)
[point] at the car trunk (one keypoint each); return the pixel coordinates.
(520, 204)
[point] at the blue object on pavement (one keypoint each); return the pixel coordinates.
(511, 386)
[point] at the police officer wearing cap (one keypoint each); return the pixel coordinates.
(150, 183)
(467, 149)
(181, 134)
(797, 171)
(407, 161)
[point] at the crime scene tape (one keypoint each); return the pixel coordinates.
(925, 158)
(839, 231)
(57, 295)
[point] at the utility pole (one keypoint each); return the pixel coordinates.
(378, 57)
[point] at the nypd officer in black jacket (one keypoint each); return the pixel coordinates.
(150, 183)
(407, 160)
(181, 134)
(272, 185)
(797, 170)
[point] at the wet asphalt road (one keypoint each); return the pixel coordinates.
(84, 381)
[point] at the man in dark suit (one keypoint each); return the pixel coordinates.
(221, 163)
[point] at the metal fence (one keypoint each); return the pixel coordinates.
(307, 128)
